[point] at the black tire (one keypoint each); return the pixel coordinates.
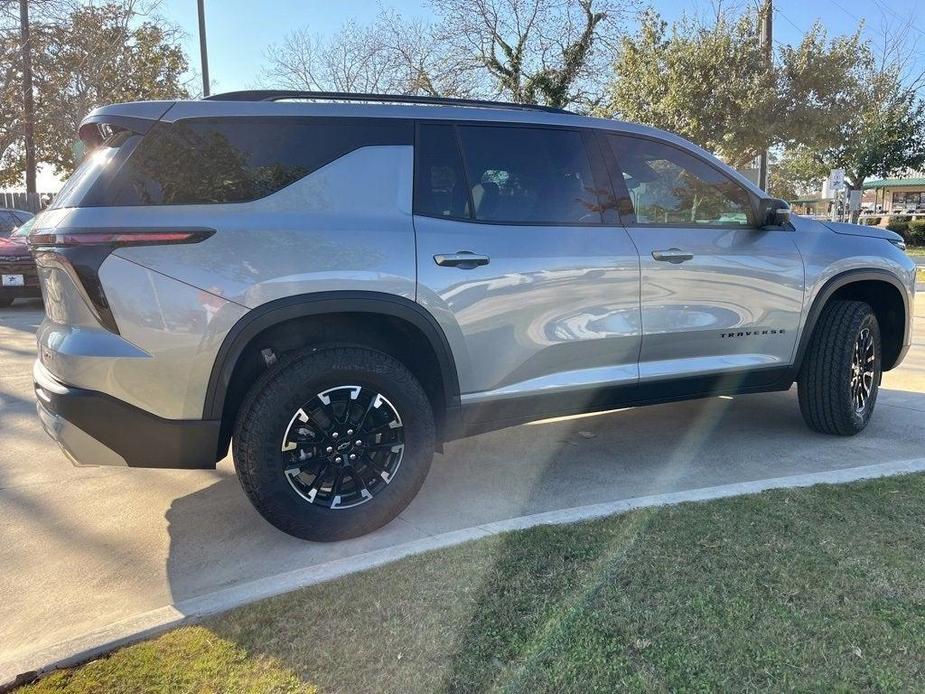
(827, 397)
(269, 412)
(6, 301)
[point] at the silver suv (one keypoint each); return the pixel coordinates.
(335, 285)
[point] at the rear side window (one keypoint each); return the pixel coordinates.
(670, 187)
(529, 175)
(202, 161)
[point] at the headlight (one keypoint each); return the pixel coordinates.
(900, 244)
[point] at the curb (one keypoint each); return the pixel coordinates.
(28, 666)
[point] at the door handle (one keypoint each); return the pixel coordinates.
(673, 255)
(464, 260)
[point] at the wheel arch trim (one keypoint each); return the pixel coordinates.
(278, 311)
(840, 281)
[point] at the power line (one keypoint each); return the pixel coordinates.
(789, 21)
(846, 11)
(887, 8)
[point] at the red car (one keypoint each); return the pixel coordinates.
(18, 276)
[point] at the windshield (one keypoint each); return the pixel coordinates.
(24, 228)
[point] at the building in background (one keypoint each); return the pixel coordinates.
(904, 195)
(812, 205)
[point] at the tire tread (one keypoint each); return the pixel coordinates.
(824, 371)
(254, 432)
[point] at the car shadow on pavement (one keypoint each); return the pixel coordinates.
(217, 539)
(21, 315)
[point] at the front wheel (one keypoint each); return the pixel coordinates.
(840, 376)
(334, 443)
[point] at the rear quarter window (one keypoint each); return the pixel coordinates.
(211, 161)
(96, 170)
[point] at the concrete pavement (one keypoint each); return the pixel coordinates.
(82, 548)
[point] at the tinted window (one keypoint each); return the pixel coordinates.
(671, 187)
(239, 159)
(529, 175)
(440, 183)
(97, 167)
(7, 222)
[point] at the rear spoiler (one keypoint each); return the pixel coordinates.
(136, 117)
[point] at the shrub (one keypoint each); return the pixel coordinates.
(900, 224)
(872, 221)
(916, 234)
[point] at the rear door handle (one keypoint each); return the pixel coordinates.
(464, 260)
(672, 255)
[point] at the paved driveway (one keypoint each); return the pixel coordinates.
(81, 548)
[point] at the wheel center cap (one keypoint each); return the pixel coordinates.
(344, 446)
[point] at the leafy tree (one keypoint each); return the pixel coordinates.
(882, 136)
(712, 83)
(89, 56)
(788, 180)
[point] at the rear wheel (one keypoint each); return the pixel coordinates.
(840, 376)
(334, 443)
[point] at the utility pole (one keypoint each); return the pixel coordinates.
(766, 13)
(202, 48)
(28, 105)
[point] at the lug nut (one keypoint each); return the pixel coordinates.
(359, 443)
(337, 459)
(329, 449)
(334, 435)
(349, 432)
(353, 456)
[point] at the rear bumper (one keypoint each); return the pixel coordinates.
(97, 429)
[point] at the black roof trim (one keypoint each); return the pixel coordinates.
(280, 94)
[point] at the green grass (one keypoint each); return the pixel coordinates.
(915, 250)
(810, 589)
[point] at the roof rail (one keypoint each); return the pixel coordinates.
(280, 94)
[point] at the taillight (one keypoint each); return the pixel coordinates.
(79, 254)
(117, 239)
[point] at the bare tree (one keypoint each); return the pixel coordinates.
(390, 55)
(534, 51)
(424, 64)
(352, 60)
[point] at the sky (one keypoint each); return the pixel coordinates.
(239, 31)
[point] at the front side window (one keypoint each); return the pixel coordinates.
(529, 176)
(670, 187)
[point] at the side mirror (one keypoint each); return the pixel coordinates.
(773, 212)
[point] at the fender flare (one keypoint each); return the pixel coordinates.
(831, 286)
(278, 311)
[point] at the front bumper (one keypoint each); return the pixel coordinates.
(97, 429)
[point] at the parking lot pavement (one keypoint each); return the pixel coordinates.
(82, 548)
